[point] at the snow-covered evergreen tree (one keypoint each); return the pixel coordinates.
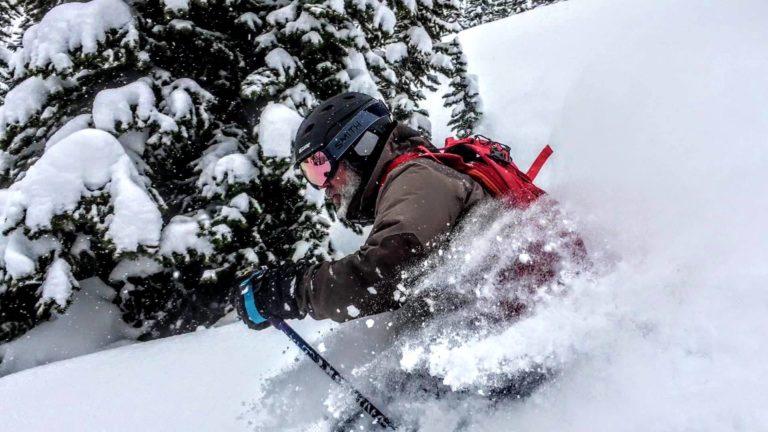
(6, 21)
(476, 12)
(147, 143)
(413, 51)
(10, 22)
(464, 94)
(63, 213)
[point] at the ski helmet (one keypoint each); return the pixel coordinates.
(350, 126)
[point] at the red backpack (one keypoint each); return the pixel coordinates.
(487, 162)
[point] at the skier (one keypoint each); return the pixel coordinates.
(346, 146)
(377, 171)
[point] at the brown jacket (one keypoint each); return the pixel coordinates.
(420, 202)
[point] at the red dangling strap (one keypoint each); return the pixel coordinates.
(541, 159)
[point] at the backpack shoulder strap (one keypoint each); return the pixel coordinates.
(418, 152)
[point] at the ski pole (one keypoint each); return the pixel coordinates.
(329, 370)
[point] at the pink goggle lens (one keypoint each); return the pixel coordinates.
(316, 168)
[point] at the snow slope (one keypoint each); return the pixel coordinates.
(195, 382)
(657, 112)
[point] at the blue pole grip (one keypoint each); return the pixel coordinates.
(250, 302)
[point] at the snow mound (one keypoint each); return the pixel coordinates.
(91, 324)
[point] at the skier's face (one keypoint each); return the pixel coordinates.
(341, 188)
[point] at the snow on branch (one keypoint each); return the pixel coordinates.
(176, 6)
(277, 127)
(25, 100)
(282, 15)
(279, 60)
(384, 18)
(420, 39)
(58, 283)
(82, 165)
(182, 235)
(68, 28)
(222, 165)
(357, 76)
(113, 109)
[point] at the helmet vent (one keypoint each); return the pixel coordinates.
(327, 108)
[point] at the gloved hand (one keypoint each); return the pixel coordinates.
(268, 292)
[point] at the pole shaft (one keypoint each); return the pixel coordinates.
(329, 370)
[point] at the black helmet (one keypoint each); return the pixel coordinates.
(350, 126)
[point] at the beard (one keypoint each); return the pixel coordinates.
(347, 193)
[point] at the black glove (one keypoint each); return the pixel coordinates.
(268, 292)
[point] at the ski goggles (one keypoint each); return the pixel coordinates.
(319, 167)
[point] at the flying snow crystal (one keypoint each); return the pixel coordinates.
(277, 127)
(69, 28)
(353, 311)
(410, 357)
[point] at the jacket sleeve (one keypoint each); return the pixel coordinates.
(420, 202)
